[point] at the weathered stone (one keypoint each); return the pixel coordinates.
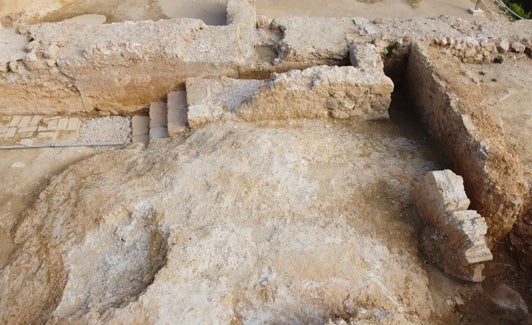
(158, 132)
(177, 112)
(458, 239)
(242, 13)
(158, 114)
(140, 125)
(183, 232)
(493, 176)
(357, 93)
(518, 47)
(365, 56)
(441, 193)
(436, 249)
(504, 45)
(213, 99)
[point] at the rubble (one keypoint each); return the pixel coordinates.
(455, 234)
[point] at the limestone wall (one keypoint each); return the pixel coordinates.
(493, 177)
(120, 68)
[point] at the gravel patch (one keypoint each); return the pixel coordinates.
(106, 129)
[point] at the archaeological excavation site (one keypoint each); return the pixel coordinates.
(265, 162)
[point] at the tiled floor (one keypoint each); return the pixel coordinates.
(27, 129)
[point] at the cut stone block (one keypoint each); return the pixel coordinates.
(455, 237)
(73, 124)
(436, 249)
(42, 135)
(441, 193)
(140, 125)
(177, 112)
(365, 56)
(27, 129)
(10, 133)
(35, 120)
(15, 120)
(62, 124)
(158, 132)
(321, 92)
(242, 13)
(141, 138)
(158, 114)
(25, 121)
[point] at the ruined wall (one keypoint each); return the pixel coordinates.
(493, 176)
(120, 68)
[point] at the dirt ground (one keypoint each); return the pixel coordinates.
(212, 12)
(23, 174)
(506, 91)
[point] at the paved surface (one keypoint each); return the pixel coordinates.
(28, 129)
(37, 129)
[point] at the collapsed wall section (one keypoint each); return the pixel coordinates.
(454, 235)
(493, 176)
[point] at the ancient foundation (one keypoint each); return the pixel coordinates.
(210, 88)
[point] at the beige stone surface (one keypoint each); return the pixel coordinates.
(209, 100)
(177, 112)
(224, 235)
(493, 176)
(321, 92)
(458, 234)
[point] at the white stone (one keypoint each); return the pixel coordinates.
(177, 112)
(518, 47)
(158, 132)
(504, 45)
(140, 125)
(158, 114)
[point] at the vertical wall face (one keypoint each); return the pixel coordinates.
(493, 177)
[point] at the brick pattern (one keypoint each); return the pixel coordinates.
(38, 129)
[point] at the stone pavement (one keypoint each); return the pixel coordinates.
(38, 129)
(28, 129)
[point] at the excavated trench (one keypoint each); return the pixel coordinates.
(116, 276)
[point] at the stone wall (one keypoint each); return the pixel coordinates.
(454, 236)
(493, 177)
(118, 68)
(361, 92)
(121, 68)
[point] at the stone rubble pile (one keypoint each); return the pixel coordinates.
(455, 234)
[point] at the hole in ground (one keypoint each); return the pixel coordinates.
(115, 263)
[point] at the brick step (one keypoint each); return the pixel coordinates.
(158, 121)
(177, 112)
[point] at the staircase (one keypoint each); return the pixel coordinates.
(165, 119)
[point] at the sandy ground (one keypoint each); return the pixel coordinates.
(23, 174)
(212, 12)
(506, 90)
(353, 8)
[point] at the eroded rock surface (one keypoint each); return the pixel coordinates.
(240, 222)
